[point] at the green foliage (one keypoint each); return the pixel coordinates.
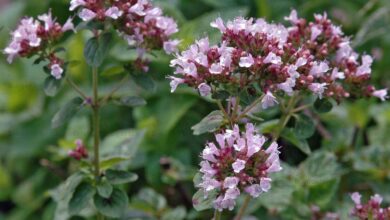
(318, 170)
(96, 49)
(113, 206)
(210, 123)
(120, 177)
(80, 198)
(67, 112)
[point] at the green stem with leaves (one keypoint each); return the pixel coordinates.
(96, 127)
(286, 115)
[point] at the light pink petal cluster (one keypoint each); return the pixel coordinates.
(238, 162)
(140, 23)
(372, 209)
(32, 36)
(307, 56)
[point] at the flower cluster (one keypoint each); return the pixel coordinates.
(370, 210)
(33, 37)
(138, 21)
(239, 162)
(79, 152)
(308, 56)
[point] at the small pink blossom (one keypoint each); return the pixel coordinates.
(247, 61)
(216, 68)
(238, 165)
(56, 71)
(381, 94)
(204, 89)
(268, 100)
(113, 12)
(87, 15)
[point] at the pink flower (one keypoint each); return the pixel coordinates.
(265, 184)
(315, 32)
(171, 46)
(227, 167)
(254, 190)
(56, 71)
(218, 23)
(138, 9)
(337, 75)
(175, 82)
(238, 165)
(365, 68)
(356, 197)
(293, 17)
(216, 68)
(381, 94)
(204, 89)
(76, 3)
(68, 26)
(113, 12)
(318, 69)
(230, 182)
(87, 15)
(268, 100)
(272, 58)
(247, 61)
(318, 88)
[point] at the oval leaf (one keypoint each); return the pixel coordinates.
(96, 49)
(144, 81)
(67, 112)
(51, 86)
(209, 124)
(113, 206)
(82, 195)
(132, 101)
(201, 202)
(304, 127)
(120, 176)
(104, 189)
(323, 105)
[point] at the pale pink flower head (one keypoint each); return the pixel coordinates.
(229, 166)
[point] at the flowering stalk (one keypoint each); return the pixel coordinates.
(96, 121)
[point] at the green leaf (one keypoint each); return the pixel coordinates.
(132, 101)
(104, 189)
(291, 137)
(221, 95)
(320, 167)
(322, 194)
(197, 179)
(96, 49)
(304, 127)
(81, 197)
(63, 194)
(123, 143)
(210, 123)
(201, 202)
(111, 161)
(145, 81)
(120, 176)
(51, 86)
(113, 206)
(323, 105)
(178, 213)
(67, 112)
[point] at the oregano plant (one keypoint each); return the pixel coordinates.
(254, 67)
(145, 29)
(293, 72)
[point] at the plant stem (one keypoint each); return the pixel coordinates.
(217, 215)
(116, 88)
(76, 88)
(241, 212)
(96, 121)
(96, 127)
(282, 123)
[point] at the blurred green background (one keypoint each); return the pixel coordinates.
(33, 156)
